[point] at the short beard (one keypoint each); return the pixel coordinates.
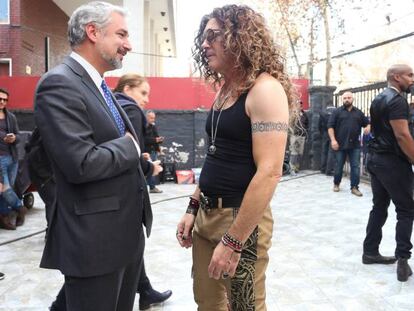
(113, 62)
(347, 104)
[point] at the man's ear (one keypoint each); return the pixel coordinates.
(92, 32)
(126, 89)
(397, 77)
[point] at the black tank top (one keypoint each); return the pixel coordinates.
(228, 171)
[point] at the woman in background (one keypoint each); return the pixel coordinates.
(132, 93)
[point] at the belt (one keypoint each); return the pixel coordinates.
(207, 203)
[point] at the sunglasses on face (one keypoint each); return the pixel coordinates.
(4, 100)
(210, 35)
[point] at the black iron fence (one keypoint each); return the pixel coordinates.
(364, 95)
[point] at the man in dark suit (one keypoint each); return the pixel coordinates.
(95, 236)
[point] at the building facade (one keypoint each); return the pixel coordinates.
(24, 32)
(33, 35)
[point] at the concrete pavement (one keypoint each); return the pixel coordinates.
(315, 261)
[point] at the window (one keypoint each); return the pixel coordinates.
(4, 11)
(5, 67)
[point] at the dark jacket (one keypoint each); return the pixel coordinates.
(347, 126)
(40, 167)
(151, 133)
(12, 127)
(135, 115)
(386, 106)
(97, 225)
(138, 121)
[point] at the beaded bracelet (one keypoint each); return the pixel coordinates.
(232, 243)
(193, 206)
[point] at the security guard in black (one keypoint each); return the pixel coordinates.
(347, 126)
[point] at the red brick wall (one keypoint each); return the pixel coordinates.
(10, 34)
(15, 12)
(23, 40)
(39, 19)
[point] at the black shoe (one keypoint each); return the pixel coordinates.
(151, 297)
(403, 270)
(385, 260)
(1, 275)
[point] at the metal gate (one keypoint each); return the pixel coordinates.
(364, 95)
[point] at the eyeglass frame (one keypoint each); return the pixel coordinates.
(6, 100)
(210, 35)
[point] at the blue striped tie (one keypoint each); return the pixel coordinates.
(108, 98)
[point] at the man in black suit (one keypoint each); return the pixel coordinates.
(95, 235)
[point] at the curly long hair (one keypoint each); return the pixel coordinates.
(249, 42)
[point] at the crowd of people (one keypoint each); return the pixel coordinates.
(102, 146)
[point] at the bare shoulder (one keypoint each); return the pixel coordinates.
(267, 93)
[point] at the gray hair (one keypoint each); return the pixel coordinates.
(96, 12)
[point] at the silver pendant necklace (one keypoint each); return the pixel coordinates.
(212, 148)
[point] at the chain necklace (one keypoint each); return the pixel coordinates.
(212, 148)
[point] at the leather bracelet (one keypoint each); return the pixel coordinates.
(194, 202)
(193, 206)
(233, 249)
(232, 243)
(191, 211)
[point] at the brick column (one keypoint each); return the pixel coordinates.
(320, 97)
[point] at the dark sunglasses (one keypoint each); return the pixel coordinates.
(210, 35)
(4, 100)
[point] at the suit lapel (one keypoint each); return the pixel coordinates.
(87, 80)
(92, 86)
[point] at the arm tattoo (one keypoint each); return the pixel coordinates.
(269, 126)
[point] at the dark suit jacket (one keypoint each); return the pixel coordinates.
(138, 121)
(135, 115)
(97, 226)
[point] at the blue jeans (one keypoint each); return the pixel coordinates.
(8, 197)
(354, 160)
(151, 179)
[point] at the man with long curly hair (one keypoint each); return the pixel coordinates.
(228, 220)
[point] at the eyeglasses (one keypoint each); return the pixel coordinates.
(210, 35)
(4, 100)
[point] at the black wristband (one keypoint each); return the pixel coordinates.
(193, 206)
